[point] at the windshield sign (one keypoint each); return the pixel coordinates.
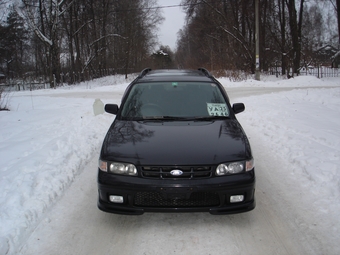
(217, 109)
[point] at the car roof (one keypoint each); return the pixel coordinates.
(148, 75)
(174, 75)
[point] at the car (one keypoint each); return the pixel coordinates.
(175, 145)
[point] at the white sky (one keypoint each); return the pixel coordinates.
(174, 21)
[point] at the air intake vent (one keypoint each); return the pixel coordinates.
(180, 172)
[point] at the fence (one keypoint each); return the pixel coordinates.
(31, 82)
(18, 85)
(76, 77)
(34, 83)
(319, 71)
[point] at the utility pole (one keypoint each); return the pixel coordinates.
(338, 16)
(257, 44)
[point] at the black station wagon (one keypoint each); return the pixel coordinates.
(176, 146)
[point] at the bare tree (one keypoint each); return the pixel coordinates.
(91, 35)
(336, 5)
(43, 18)
(13, 44)
(295, 24)
(220, 34)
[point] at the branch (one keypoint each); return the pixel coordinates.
(101, 38)
(88, 62)
(67, 7)
(82, 27)
(94, 55)
(227, 31)
(36, 30)
(216, 10)
(237, 39)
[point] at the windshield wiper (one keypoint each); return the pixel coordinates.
(174, 118)
(210, 118)
(162, 118)
(178, 118)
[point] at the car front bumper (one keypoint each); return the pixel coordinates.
(141, 195)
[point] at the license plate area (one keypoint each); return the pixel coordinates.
(176, 193)
(176, 198)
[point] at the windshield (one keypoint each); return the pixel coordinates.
(175, 100)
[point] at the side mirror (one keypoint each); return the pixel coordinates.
(111, 108)
(238, 107)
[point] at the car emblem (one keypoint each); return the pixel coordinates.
(176, 172)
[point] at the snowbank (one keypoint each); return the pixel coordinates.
(272, 81)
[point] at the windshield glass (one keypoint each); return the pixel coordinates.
(175, 99)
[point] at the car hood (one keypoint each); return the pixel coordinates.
(176, 142)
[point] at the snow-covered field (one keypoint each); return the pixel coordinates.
(49, 136)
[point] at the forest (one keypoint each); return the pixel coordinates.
(67, 41)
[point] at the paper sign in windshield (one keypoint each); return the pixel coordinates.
(217, 109)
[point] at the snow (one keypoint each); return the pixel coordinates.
(50, 135)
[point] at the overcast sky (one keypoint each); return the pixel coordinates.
(174, 21)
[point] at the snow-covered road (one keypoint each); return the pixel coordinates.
(76, 226)
(279, 225)
(49, 145)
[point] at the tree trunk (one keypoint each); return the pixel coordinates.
(283, 36)
(295, 29)
(338, 16)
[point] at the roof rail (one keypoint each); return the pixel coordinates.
(205, 71)
(144, 72)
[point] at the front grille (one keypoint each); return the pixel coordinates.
(157, 199)
(163, 172)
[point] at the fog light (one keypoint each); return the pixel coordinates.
(116, 199)
(236, 198)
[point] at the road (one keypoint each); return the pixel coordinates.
(75, 225)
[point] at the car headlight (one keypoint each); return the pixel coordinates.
(234, 167)
(118, 168)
